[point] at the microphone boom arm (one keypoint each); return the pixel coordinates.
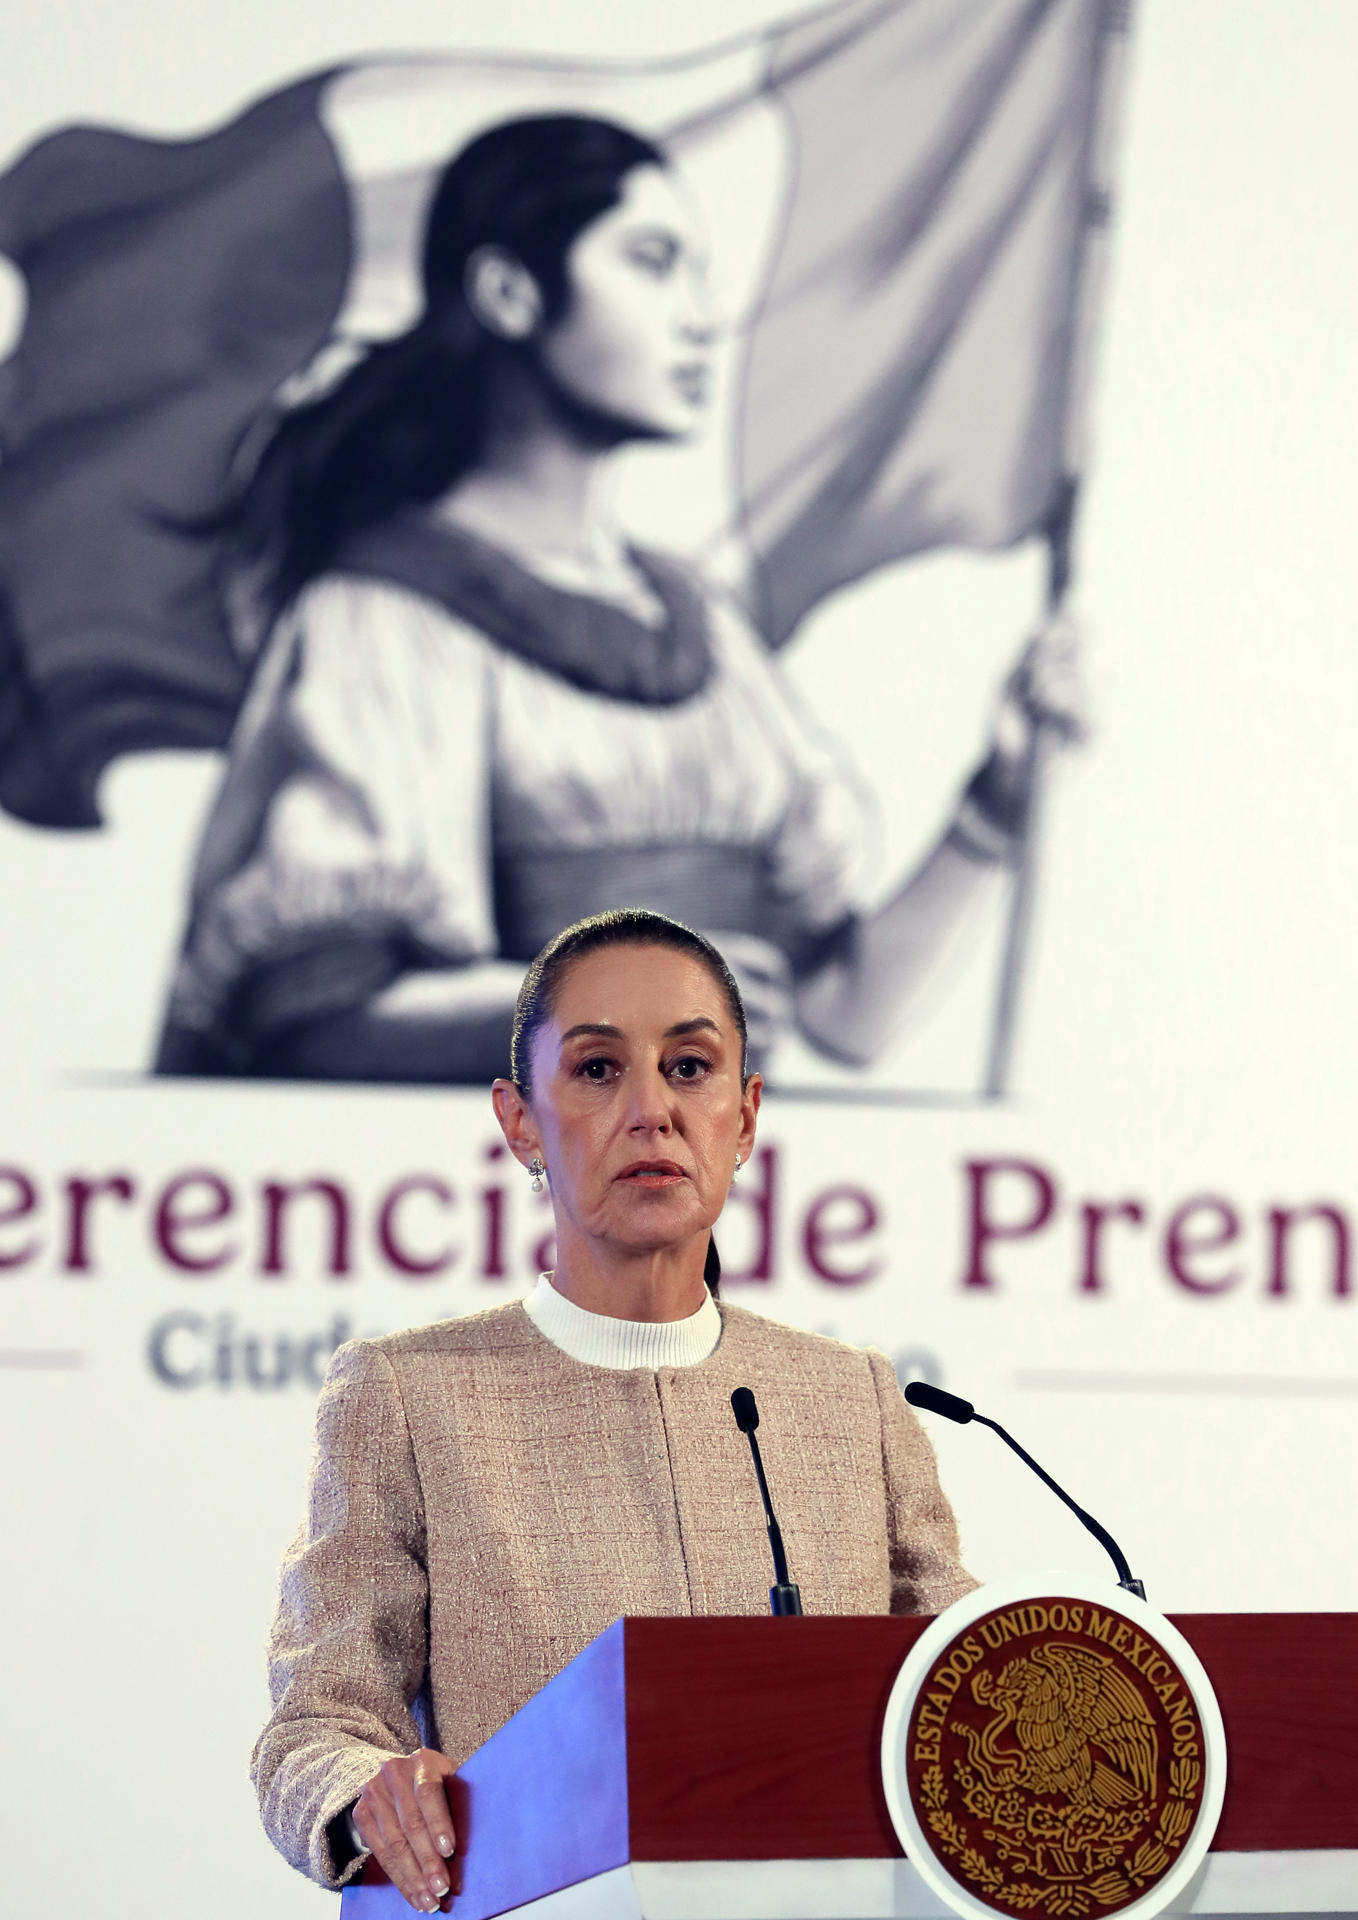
(1126, 1578)
(921, 1393)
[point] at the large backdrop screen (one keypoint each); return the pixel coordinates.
(966, 563)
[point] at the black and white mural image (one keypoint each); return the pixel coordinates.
(459, 447)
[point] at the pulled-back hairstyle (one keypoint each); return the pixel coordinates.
(620, 927)
(409, 420)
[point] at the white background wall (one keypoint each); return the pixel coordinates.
(1188, 1026)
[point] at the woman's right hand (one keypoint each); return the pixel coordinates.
(403, 1817)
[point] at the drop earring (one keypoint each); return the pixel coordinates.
(739, 1164)
(536, 1168)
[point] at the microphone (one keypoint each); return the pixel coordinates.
(934, 1400)
(784, 1598)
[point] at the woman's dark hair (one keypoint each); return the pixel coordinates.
(409, 420)
(621, 927)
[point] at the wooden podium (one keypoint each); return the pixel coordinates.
(730, 1769)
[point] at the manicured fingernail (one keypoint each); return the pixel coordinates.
(439, 1884)
(445, 1843)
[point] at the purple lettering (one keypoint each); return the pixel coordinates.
(173, 1221)
(1202, 1225)
(278, 1197)
(81, 1195)
(1281, 1220)
(1096, 1215)
(493, 1241)
(25, 1201)
(1039, 1191)
(840, 1217)
(757, 1190)
(418, 1266)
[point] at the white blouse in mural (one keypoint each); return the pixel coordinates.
(389, 754)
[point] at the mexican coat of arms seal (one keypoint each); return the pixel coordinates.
(1054, 1748)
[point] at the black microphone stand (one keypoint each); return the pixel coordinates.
(784, 1596)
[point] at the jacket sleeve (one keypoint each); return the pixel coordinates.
(926, 1561)
(349, 1647)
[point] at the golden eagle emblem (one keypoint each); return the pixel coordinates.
(1055, 1759)
(1065, 1721)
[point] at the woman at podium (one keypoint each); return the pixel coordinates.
(490, 1493)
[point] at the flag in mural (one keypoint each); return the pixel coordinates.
(260, 367)
(905, 368)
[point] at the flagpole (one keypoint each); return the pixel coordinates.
(1018, 928)
(1060, 527)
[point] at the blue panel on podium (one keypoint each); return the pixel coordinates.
(515, 1846)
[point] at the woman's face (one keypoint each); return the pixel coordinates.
(637, 1102)
(634, 347)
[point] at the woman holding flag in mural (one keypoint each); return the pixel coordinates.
(460, 707)
(480, 712)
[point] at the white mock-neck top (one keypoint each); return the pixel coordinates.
(601, 1341)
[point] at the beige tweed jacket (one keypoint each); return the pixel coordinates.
(482, 1506)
